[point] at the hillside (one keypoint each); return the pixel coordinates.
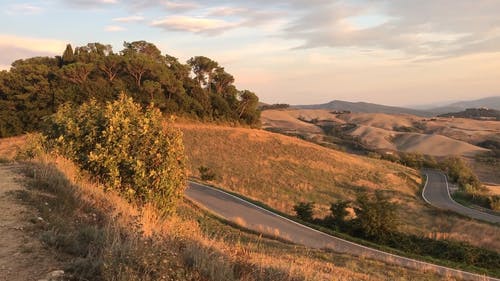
(97, 235)
(489, 102)
(379, 131)
(364, 107)
(475, 113)
(281, 171)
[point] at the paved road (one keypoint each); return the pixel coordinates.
(253, 217)
(436, 193)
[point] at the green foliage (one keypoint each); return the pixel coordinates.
(459, 172)
(206, 173)
(376, 216)
(34, 88)
(304, 210)
(33, 147)
(124, 146)
(376, 221)
(338, 215)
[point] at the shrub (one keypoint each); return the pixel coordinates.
(206, 173)
(304, 210)
(376, 217)
(125, 146)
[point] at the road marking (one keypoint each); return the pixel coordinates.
(482, 277)
(425, 185)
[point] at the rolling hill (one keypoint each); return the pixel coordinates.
(489, 102)
(408, 133)
(364, 107)
(281, 171)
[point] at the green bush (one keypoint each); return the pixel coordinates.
(124, 146)
(304, 210)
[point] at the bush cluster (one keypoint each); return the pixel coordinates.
(124, 146)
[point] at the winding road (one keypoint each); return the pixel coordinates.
(437, 194)
(253, 217)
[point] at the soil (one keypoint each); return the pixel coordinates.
(22, 256)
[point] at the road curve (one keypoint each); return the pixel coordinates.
(437, 194)
(256, 218)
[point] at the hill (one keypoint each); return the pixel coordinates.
(281, 171)
(489, 102)
(98, 235)
(475, 113)
(408, 133)
(364, 107)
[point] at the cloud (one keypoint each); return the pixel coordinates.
(135, 18)
(421, 30)
(114, 28)
(90, 3)
(16, 47)
(180, 6)
(24, 9)
(194, 24)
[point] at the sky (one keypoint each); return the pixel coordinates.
(395, 52)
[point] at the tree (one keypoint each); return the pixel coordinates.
(110, 65)
(143, 48)
(304, 210)
(248, 107)
(77, 72)
(137, 65)
(376, 217)
(68, 55)
(221, 80)
(203, 68)
(338, 213)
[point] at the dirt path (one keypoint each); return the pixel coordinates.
(22, 257)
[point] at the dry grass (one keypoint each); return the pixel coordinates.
(105, 237)
(440, 136)
(281, 171)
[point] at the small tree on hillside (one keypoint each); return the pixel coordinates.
(338, 213)
(304, 210)
(376, 217)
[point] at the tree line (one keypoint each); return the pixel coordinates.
(34, 88)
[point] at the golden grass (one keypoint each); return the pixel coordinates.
(139, 245)
(281, 171)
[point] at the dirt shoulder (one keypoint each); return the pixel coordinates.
(22, 256)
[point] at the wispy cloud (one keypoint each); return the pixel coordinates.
(114, 28)
(90, 3)
(180, 6)
(134, 18)
(24, 8)
(208, 26)
(423, 30)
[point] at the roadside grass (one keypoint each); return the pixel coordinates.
(281, 171)
(103, 237)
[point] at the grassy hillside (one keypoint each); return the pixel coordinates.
(407, 133)
(281, 171)
(100, 236)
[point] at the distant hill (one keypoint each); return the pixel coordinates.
(364, 107)
(489, 102)
(475, 113)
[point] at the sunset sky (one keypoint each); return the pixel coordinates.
(393, 52)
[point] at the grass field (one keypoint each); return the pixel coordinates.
(281, 171)
(103, 237)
